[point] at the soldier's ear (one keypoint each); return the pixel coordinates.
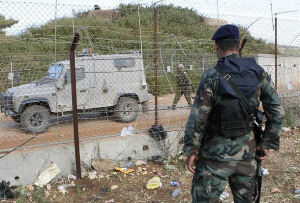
(217, 47)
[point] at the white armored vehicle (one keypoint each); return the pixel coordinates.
(105, 83)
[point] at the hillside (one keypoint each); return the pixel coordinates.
(111, 31)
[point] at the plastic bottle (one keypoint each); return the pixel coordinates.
(297, 191)
(130, 130)
(176, 192)
(174, 183)
(128, 164)
(64, 186)
(170, 167)
(123, 131)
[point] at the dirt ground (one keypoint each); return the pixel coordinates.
(278, 185)
(13, 135)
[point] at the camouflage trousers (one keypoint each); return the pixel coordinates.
(211, 178)
(179, 93)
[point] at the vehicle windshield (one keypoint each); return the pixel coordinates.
(54, 71)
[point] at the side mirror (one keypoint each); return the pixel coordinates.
(65, 79)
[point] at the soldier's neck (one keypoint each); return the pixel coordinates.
(227, 53)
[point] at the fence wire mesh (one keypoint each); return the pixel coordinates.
(115, 69)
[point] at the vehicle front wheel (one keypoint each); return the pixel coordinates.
(126, 110)
(16, 118)
(35, 119)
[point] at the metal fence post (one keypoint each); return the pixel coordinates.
(74, 102)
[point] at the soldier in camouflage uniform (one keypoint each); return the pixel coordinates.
(184, 86)
(220, 159)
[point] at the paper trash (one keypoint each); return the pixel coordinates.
(47, 175)
(153, 183)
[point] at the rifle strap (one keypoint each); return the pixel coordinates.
(235, 88)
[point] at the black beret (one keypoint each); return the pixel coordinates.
(226, 32)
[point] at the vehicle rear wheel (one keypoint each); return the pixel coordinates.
(35, 119)
(126, 110)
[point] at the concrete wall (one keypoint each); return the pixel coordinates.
(288, 70)
(28, 164)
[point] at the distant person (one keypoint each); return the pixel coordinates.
(184, 86)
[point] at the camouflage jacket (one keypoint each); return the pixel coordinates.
(217, 147)
(183, 80)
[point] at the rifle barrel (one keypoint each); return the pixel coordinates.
(242, 46)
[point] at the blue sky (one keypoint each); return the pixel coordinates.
(239, 7)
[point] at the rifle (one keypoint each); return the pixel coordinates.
(242, 46)
(258, 134)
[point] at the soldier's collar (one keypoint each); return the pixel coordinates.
(229, 56)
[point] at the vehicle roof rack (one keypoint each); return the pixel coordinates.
(128, 52)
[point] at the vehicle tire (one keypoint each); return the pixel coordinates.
(126, 110)
(35, 119)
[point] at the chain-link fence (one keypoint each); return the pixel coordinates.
(118, 83)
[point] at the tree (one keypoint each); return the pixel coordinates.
(5, 23)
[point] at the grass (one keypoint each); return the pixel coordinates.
(78, 189)
(38, 195)
(22, 196)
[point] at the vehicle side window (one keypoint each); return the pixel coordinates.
(79, 75)
(124, 62)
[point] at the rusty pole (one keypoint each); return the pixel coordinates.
(276, 52)
(155, 63)
(74, 102)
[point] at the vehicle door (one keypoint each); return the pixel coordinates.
(82, 89)
(124, 75)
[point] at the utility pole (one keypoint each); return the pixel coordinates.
(155, 63)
